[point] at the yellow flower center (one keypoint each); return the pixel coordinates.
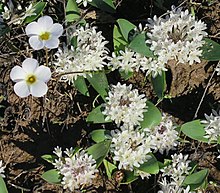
(45, 36)
(31, 79)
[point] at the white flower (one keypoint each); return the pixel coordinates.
(89, 55)
(130, 148)
(176, 37)
(125, 105)
(218, 68)
(212, 126)
(30, 78)
(77, 169)
(2, 169)
(44, 33)
(164, 136)
(84, 2)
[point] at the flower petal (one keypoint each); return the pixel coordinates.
(17, 73)
(33, 28)
(29, 65)
(21, 89)
(36, 43)
(45, 22)
(53, 42)
(38, 89)
(43, 73)
(56, 30)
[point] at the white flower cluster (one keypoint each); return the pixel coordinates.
(2, 169)
(84, 2)
(78, 170)
(129, 61)
(88, 56)
(176, 37)
(130, 148)
(124, 105)
(164, 136)
(177, 172)
(212, 126)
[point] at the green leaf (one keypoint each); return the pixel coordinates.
(125, 27)
(96, 116)
(49, 158)
(81, 86)
(118, 40)
(109, 167)
(105, 5)
(72, 11)
(99, 151)
(129, 177)
(52, 176)
(151, 166)
(194, 130)
(125, 75)
(3, 29)
(211, 50)
(100, 83)
(159, 84)
(197, 179)
(152, 117)
(38, 9)
(100, 135)
(138, 45)
(3, 188)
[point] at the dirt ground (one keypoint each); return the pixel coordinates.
(32, 127)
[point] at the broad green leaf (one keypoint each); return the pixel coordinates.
(151, 166)
(129, 177)
(100, 83)
(52, 176)
(4, 29)
(211, 50)
(125, 75)
(152, 117)
(72, 11)
(81, 86)
(197, 179)
(3, 188)
(99, 151)
(109, 167)
(105, 5)
(159, 84)
(138, 45)
(118, 40)
(38, 9)
(96, 116)
(100, 135)
(125, 27)
(194, 130)
(49, 158)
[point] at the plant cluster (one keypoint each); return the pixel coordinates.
(141, 131)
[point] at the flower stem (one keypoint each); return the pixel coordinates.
(46, 51)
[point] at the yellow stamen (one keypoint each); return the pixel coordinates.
(45, 36)
(31, 79)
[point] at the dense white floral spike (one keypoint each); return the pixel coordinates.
(2, 169)
(77, 169)
(176, 37)
(124, 105)
(85, 2)
(89, 55)
(177, 172)
(212, 126)
(130, 148)
(44, 33)
(164, 136)
(30, 78)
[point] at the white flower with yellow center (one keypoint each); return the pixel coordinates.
(30, 78)
(44, 33)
